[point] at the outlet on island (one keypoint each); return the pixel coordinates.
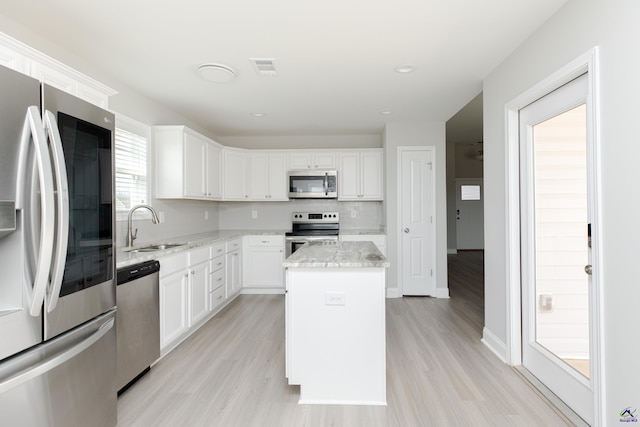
(334, 298)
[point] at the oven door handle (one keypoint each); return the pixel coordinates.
(309, 238)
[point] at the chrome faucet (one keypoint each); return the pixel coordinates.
(131, 236)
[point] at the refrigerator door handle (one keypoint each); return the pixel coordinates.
(62, 205)
(34, 130)
(56, 360)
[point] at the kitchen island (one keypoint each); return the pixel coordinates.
(335, 323)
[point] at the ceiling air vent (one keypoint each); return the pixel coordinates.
(264, 66)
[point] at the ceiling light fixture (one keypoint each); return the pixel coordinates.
(216, 73)
(405, 68)
(258, 114)
(385, 112)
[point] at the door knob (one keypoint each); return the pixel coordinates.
(588, 269)
(406, 230)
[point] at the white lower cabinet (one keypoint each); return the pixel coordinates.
(174, 290)
(233, 259)
(198, 285)
(217, 276)
(263, 269)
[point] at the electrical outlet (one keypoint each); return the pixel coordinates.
(334, 298)
(354, 213)
(546, 302)
(254, 214)
(206, 215)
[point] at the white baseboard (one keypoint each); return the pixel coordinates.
(393, 293)
(494, 344)
(452, 251)
(442, 293)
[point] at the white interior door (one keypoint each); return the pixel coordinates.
(556, 207)
(469, 214)
(417, 222)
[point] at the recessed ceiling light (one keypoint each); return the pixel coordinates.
(217, 73)
(405, 68)
(257, 114)
(385, 112)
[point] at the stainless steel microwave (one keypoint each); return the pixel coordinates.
(313, 184)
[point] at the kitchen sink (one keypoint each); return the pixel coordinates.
(154, 248)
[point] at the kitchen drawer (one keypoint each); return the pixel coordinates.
(217, 263)
(216, 298)
(172, 263)
(234, 244)
(217, 250)
(197, 256)
(265, 240)
(216, 279)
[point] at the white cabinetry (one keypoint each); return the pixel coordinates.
(263, 257)
(235, 175)
(360, 175)
(312, 160)
(174, 282)
(198, 285)
(233, 260)
(26, 60)
(217, 276)
(268, 172)
(187, 165)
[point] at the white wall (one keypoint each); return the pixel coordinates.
(577, 27)
(415, 134)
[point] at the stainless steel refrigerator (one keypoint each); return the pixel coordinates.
(57, 268)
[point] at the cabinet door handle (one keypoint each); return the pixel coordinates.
(193, 272)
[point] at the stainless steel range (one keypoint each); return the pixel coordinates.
(311, 226)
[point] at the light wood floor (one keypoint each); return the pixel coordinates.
(231, 372)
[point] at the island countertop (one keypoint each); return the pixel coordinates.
(337, 254)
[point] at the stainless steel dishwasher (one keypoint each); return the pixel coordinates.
(137, 322)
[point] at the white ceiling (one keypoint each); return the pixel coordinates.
(335, 58)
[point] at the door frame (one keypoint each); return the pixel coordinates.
(586, 63)
(402, 149)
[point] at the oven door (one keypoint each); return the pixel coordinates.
(293, 243)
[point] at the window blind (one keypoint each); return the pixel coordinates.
(131, 170)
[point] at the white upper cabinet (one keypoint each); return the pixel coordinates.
(187, 164)
(214, 171)
(312, 160)
(268, 172)
(360, 175)
(235, 177)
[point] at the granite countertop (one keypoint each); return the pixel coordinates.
(363, 232)
(331, 254)
(124, 259)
